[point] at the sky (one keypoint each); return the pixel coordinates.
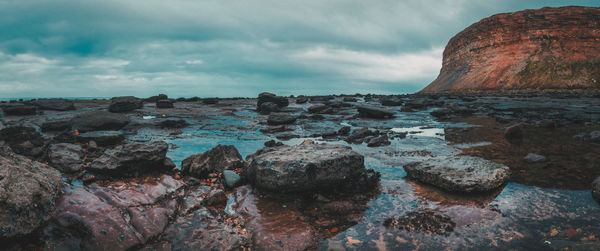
(231, 48)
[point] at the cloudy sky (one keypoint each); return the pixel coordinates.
(231, 48)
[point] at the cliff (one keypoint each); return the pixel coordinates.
(548, 48)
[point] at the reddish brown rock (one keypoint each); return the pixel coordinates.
(548, 48)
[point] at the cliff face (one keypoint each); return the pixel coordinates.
(548, 48)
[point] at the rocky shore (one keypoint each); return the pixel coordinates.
(301, 173)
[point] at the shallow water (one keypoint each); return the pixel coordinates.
(517, 216)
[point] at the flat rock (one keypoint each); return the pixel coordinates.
(99, 121)
(56, 104)
(125, 104)
(19, 109)
(102, 138)
(133, 159)
(29, 193)
(460, 173)
(164, 103)
(216, 160)
(56, 125)
(65, 157)
(373, 112)
(304, 167)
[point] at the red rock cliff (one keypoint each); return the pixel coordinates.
(548, 48)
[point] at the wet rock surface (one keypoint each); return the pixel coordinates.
(99, 121)
(65, 157)
(133, 159)
(125, 104)
(460, 173)
(216, 160)
(544, 205)
(29, 193)
(56, 104)
(304, 167)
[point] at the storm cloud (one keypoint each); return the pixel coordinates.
(230, 48)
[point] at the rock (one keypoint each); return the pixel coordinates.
(320, 108)
(216, 160)
(379, 141)
(459, 173)
(231, 178)
(514, 51)
(29, 193)
(596, 189)
(164, 104)
(373, 112)
(19, 109)
(119, 216)
(425, 221)
(268, 107)
(349, 99)
(281, 119)
(535, 158)
(345, 130)
(153, 99)
(23, 140)
(391, 102)
(99, 121)
(514, 132)
(102, 138)
(301, 99)
(57, 125)
(65, 157)
(359, 136)
(131, 160)
(270, 97)
(125, 104)
(173, 123)
(210, 101)
(304, 167)
(56, 104)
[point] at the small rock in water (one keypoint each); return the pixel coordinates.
(535, 158)
(460, 173)
(231, 178)
(514, 132)
(373, 112)
(426, 221)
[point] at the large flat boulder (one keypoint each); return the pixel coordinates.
(272, 98)
(460, 173)
(29, 193)
(216, 160)
(99, 121)
(133, 159)
(304, 167)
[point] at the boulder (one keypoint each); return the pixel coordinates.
(125, 104)
(320, 108)
(153, 99)
(304, 167)
(216, 160)
(56, 104)
(164, 103)
(270, 97)
(231, 178)
(173, 123)
(102, 138)
(301, 99)
(459, 173)
(19, 109)
(29, 193)
(133, 159)
(65, 157)
(23, 140)
(281, 119)
(99, 121)
(373, 112)
(349, 99)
